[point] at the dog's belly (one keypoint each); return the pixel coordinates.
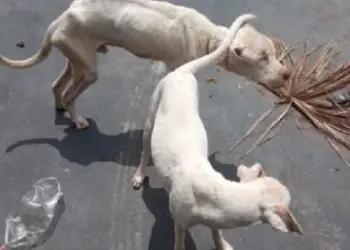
(215, 218)
(156, 32)
(217, 224)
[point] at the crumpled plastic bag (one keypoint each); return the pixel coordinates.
(39, 211)
(341, 98)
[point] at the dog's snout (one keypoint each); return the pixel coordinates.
(286, 75)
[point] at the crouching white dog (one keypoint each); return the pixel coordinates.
(149, 29)
(198, 195)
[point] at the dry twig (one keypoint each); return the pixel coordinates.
(309, 89)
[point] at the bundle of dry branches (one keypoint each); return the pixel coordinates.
(309, 90)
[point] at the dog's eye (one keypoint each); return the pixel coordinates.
(264, 56)
(238, 51)
(281, 62)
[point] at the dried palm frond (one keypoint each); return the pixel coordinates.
(309, 90)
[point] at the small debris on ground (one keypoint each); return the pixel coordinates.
(210, 96)
(20, 45)
(261, 91)
(102, 49)
(211, 80)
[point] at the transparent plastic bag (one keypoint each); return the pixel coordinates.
(341, 98)
(39, 211)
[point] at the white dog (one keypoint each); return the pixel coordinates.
(155, 30)
(198, 195)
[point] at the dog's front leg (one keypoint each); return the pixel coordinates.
(180, 232)
(219, 241)
(139, 176)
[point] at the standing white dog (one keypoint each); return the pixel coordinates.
(149, 29)
(179, 147)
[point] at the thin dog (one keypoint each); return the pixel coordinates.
(154, 30)
(198, 195)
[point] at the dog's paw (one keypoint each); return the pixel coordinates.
(137, 180)
(80, 123)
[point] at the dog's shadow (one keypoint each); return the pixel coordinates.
(156, 200)
(91, 145)
(228, 170)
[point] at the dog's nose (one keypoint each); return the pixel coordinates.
(286, 74)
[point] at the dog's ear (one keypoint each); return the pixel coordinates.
(281, 219)
(241, 168)
(242, 172)
(258, 168)
(246, 174)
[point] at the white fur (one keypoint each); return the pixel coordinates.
(155, 30)
(198, 194)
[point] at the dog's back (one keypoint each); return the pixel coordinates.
(179, 137)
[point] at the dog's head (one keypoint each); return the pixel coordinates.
(274, 199)
(253, 55)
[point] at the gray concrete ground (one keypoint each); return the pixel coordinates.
(95, 166)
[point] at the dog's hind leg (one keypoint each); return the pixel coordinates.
(219, 241)
(139, 175)
(74, 91)
(59, 84)
(82, 57)
(180, 232)
(81, 81)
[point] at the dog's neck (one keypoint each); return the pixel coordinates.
(215, 41)
(228, 204)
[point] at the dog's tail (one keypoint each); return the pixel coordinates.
(220, 53)
(41, 55)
